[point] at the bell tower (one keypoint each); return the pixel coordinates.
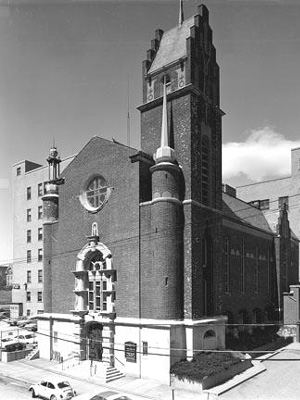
(182, 63)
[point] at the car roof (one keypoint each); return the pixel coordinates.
(55, 379)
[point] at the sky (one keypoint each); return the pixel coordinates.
(68, 68)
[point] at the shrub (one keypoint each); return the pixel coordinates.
(203, 364)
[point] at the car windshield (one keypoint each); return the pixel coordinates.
(63, 384)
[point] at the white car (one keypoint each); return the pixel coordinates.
(53, 389)
(27, 338)
(110, 395)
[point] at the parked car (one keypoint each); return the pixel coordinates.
(27, 338)
(53, 389)
(110, 395)
(31, 327)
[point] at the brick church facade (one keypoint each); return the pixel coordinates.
(146, 257)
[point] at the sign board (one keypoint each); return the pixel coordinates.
(130, 352)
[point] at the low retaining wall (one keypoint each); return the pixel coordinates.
(211, 381)
(8, 356)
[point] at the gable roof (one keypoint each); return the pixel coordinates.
(172, 45)
(234, 208)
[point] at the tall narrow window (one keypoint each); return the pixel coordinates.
(40, 233)
(29, 193)
(28, 276)
(40, 212)
(256, 271)
(18, 171)
(28, 214)
(29, 236)
(242, 269)
(39, 296)
(40, 276)
(28, 296)
(28, 256)
(205, 170)
(40, 189)
(227, 265)
(40, 254)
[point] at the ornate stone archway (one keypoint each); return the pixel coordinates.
(95, 296)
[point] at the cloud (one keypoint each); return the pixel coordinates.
(4, 183)
(265, 154)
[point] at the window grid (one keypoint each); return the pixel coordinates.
(40, 275)
(29, 236)
(40, 254)
(39, 296)
(28, 276)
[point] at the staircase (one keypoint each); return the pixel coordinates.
(107, 373)
(35, 353)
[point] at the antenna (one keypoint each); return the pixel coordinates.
(181, 14)
(128, 114)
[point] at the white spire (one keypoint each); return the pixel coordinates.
(181, 15)
(164, 126)
(164, 152)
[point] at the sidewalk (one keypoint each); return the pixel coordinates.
(35, 370)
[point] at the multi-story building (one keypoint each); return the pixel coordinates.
(28, 188)
(272, 195)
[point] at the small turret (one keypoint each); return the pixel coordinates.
(53, 164)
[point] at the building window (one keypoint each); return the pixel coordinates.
(28, 276)
(28, 214)
(39, 296)
(283, 200)
(40, 254)
(55, 334)
(40, 233)
(96, 192)
(98, 286)
(264, 204)
(227, 265)
(242, 269)
(29, 256)
(29, 193)
(40, 212)
(40, 276)
(28, 297)
(28, 313)
(205, 170)
(18, 171)
(145, 348)
(40, 189)
(256, 271)
(29, 236)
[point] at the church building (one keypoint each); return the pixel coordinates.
(146, 257)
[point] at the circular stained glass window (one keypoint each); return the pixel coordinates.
(95, 194)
